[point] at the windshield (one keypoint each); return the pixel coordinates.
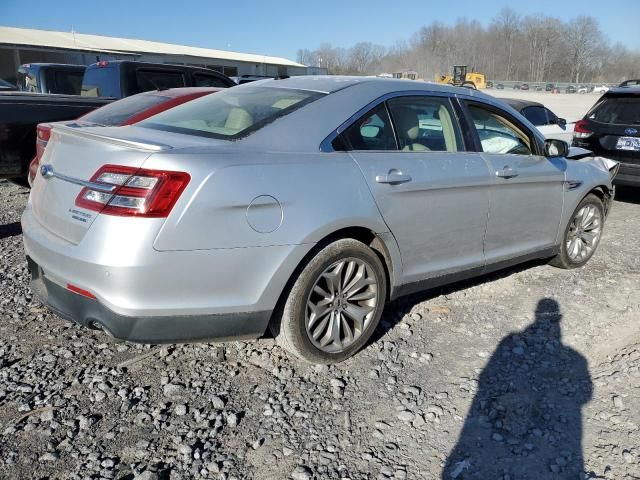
(118, 112)
(617, 110)
(231, 113)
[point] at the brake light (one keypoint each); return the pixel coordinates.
(43, 136)
(137, 192)
(580, 131)
(102, 63)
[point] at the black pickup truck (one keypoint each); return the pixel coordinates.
(103, 82)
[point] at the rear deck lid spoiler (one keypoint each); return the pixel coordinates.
(102, 134)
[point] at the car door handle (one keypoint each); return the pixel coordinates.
(394, 177)
(507, 172)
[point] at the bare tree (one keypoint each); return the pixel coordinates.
(583, 38)
(508, 25)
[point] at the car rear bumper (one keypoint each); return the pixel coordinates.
(629, 174)
(90, 312)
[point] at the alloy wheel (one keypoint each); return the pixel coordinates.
(341, 304)
(584, 233)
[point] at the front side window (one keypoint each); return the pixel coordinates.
(67, 82)
(371, 132)
(498, 134)
(231, 113)
(425, 124)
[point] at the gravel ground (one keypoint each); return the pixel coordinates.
(533, 373)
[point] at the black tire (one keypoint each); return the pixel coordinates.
(22, 181)
(563, 259)
(291, 333)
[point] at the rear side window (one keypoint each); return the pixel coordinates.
(231, 113)
(28, 79)
(617, 110)
(371, 132)
(118, 112)
(67, 82)
(204, 80)
(158, 80)
(425, 124)
(101, 82)
(536, 115)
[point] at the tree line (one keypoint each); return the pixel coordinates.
(530, 48)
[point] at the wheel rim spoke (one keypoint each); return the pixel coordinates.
(584, 233)
(341, 304)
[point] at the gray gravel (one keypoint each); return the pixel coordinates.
(466, 382)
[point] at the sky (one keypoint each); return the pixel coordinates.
(281, 27)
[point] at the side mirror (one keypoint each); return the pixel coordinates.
(561, 121)
(555, 148)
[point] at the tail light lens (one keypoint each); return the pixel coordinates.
(580, 130)
(43, 136)
(138, 192)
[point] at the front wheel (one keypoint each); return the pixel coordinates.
(335, 303)
(582, 235)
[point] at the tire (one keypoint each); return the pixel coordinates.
(469, 85)
(579, 229)
(337, 260)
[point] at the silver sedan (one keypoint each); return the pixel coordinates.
(302, 205)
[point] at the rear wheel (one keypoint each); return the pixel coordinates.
(335, 303)
(582, 235)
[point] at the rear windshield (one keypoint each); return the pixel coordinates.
(101, 82)
(617, 110)
(231, 113)
(120, 111)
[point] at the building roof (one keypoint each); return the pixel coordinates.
(82, 41)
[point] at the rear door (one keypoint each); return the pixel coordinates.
(432, 193)
(527, 188)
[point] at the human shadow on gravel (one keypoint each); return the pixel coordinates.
(10, 230)
(525, 421)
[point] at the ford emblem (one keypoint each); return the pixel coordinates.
(631, 131)
(46, 171)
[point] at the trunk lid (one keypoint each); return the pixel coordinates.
(73, 156)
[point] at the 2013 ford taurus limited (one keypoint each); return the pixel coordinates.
(301, 204)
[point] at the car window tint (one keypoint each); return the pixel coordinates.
(498, 134)
(371, 132)
(118, 112)
(536, 115)
(552, 117)
(158, 80)
(69, 83)
(204, 80)
(619, 110)
(425, 124)
(101, 82)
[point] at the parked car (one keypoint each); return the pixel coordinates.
(517, 86)
(50, 78)
(547, 122)
(500, 86)
(122, 78)
(524, 86)
(126, 111)
(21, 112)
(6, 86)
(630, 83)
(539, 88)
(489, 84)
(585, 89)
(570, 89)
(601, 89)
(612, 129)
(549, 87)
(221, 217)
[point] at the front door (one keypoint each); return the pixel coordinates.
(527, 188)
(433, 195)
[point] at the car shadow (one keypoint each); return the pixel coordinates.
(396, 310)
(628, 195)
(10, 230)
(525, 420)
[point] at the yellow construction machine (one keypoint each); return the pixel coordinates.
(462, 78)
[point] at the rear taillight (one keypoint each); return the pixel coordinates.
(43, 136)
(580, 130)
(138, 192)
